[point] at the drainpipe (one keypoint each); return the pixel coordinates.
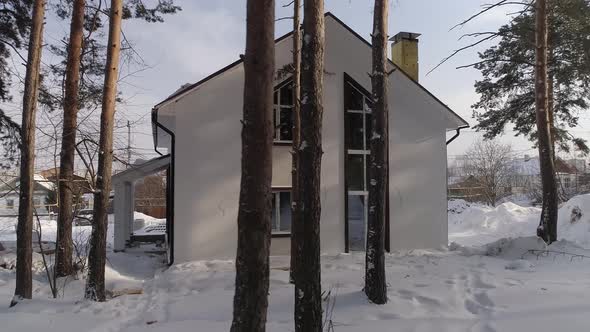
(456, 134)
(170, 184)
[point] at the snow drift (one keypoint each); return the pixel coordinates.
(476, 224)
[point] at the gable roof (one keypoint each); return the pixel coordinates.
(189, 87)
(40, 183)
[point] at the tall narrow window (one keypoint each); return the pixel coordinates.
(357, 119)
(283, 113)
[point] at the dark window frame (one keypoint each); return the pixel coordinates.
(277, 108)
(348, 80)
(277, 233)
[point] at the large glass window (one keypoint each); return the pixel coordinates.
(283, 113)
(357, 120)
(281, 212)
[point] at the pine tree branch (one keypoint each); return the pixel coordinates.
(457, 51)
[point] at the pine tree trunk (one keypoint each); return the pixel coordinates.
(95, 285)
(548, 224)
(295, 212)
(375, 285)
(550, 92)
(68, 144)
(24, 233)
(254, 212)
(308, 290)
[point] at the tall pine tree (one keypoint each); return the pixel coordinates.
(507, 90)
(95, 283)
(64, 245)
(375, 285)
(547, 229)
(82, 70)
(295, 211)
(254, 211)
(24, 232)
(308, 288)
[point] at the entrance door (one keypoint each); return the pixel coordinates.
(357, 119)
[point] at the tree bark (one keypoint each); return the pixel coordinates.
(308, 292)
(295, 211)
(547, 229)
(254, 212)
(375, 285)
(550, 91)
(64, 246)
(95, 285)
(24, 233)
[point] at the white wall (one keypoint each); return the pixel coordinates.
(207, 166)
(41, 196)
(208, 151)
(417, 158)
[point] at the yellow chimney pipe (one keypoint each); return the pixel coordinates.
(404, 53)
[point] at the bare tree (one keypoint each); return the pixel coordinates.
(547, 229)
(254, 212)
(295, 211)
(64, 245)
(308, 288)
(95, 285)
(491, 165)
(24, 250)
(375, 285)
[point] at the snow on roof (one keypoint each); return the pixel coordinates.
(530, 166)
(43, 182)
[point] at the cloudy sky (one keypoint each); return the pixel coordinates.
(207, 35)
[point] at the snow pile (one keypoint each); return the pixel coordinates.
(501, 285)
(149, 220)
(574, 221)
(148, 224)
(476, 224)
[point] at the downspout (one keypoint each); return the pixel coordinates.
(170, 185)
(456, 134)
(449, 142)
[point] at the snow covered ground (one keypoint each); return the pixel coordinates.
(488, 280)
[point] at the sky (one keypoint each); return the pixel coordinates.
(207, 35)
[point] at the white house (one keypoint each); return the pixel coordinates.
(200, 127)
(527, 178)
(9, 195)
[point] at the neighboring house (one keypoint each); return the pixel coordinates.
(81, 188)
(200, 127)
(527, 176)
(467, 188)
(44, 189)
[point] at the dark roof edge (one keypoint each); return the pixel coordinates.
(220, 71)
(237, 62)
